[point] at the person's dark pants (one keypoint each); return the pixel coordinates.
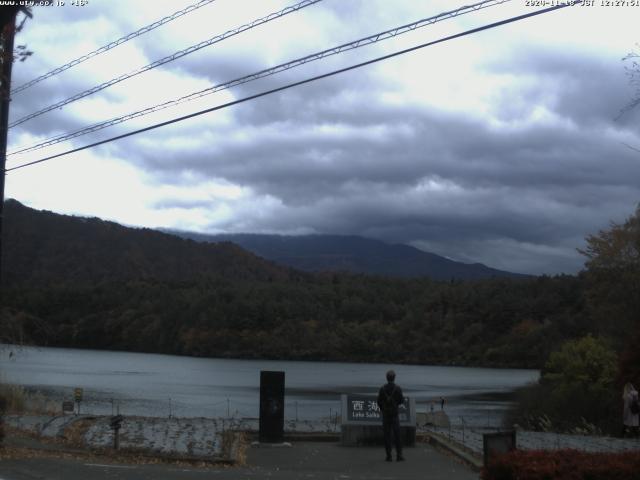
(392, 425)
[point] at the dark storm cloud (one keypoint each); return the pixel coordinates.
(516, 187)
(586, 90)
(335, 160)
(416, 145)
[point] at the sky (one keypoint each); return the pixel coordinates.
(504, 147)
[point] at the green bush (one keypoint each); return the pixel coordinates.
(576, 392)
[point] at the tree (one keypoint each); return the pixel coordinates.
(613, 277)
(633, 73)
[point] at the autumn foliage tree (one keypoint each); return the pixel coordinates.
(613, 289)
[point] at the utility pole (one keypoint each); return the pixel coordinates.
(8, 34)
(8, 26)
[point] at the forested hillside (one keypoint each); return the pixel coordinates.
(92, 284)
(44, 247)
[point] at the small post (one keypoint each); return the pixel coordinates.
(228, 414)
(462, 418)
(116, 423)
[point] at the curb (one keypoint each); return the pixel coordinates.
(458, 450)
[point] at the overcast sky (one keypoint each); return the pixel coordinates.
(501, 147)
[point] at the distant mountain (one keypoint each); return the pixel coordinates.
(316, 253)
(45, 247)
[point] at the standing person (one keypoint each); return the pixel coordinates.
(389, 400)
(631, 410)
(442, 402)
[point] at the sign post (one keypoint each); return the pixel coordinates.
(116, 424)
(77, 395)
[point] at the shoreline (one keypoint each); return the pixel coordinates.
(383, 365)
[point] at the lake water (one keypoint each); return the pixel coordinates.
(163, 385)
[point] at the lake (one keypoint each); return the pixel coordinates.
(162, 385)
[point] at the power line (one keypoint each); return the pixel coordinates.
(169, 58)
(113, 44)
(301, 82)
(267, 72)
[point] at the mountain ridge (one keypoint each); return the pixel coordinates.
(353, 254)
(41, 246)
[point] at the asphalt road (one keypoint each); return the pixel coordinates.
(302, 460)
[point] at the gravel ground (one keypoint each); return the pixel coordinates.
(202, 437)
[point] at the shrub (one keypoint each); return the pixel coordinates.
(562, 465)
(576, 392)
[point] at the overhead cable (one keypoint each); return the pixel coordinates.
(169, 58)
(267, 72)
(301, 82)
(113, 44)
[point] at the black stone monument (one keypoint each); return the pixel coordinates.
(271, 407)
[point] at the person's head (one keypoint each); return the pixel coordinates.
(391, 376)
(627, 388)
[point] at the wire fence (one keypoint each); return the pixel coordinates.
(465, 430)
(227, 408)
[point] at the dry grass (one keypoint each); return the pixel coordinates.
(234, 447)
(74, 433)
(18, 400)
(38, 403)
(14, 396)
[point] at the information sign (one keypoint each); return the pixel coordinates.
(364, 409)
(67, 406)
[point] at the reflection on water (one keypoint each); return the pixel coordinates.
(160, 385)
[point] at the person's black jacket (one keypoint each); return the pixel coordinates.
(395, 393)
